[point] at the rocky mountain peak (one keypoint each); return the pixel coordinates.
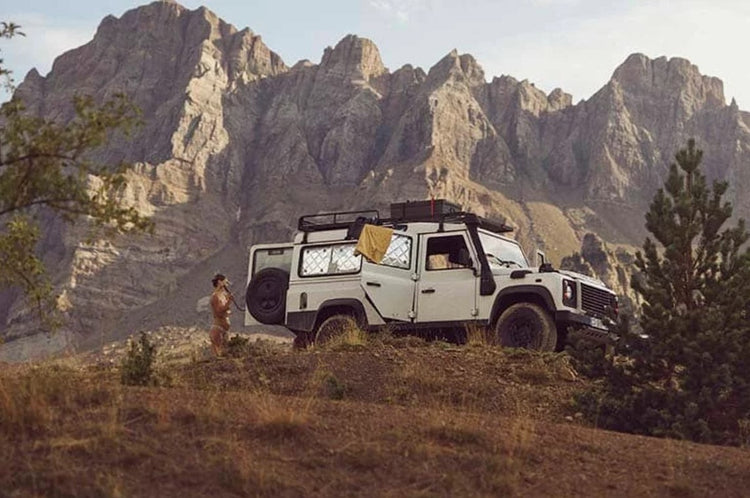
(663, 77)
(531, 99)
(353, 58)
(508, 93)
(461, 67)
(558, 99)
(405, 77)
(472, 69)
(164, 10)
(165, 34)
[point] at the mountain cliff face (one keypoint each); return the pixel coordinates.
(236, 145)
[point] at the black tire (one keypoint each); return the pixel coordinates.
(528, 326)
(266, 296)
(333, 327)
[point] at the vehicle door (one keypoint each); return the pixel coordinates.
(447, 285)
(390, 284)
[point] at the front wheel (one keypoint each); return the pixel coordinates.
(528, 326)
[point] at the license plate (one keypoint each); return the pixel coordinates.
(597, 323)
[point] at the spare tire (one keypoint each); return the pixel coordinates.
(266, 296)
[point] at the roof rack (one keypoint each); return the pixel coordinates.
(335, 220)
(454, 217)
(345, 219)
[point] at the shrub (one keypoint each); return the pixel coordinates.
(334, 388)
(137, 368)
(237, 346)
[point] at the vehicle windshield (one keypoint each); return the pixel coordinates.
(502, 252)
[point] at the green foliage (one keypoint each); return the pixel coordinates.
(237, 346)
(49, 166)
(45, 163)
(687, 374)
(334, 388)
(137, 368)
(7, 30)
(587, 358)
(20, 266)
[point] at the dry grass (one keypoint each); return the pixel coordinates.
(349, 338)
(517, 451)
(32, 401)
(281, 418)
(386, 337)
(677, 482)
(478, 336)
(467, 424)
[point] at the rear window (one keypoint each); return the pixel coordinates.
(333, 259)
(277, 257)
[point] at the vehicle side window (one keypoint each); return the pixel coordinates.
(398, 254)
(446, 253)
(329, 260)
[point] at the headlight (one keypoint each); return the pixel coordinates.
(613, 310)
(569, 293)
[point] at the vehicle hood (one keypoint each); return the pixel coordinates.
(569, 274)
(584, 278)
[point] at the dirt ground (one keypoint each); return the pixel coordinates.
(394, 417)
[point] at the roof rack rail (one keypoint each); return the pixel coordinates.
(455, 217)
(345, 219)
(335, 220)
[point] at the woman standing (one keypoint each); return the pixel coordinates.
(221, 300)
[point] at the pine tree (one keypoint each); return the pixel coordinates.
(689, 371)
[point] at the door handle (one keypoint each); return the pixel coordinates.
(428, 291)
(373, 284)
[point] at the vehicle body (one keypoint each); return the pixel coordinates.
(444, 269)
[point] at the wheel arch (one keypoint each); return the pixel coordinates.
(347, 306)
(522, 294)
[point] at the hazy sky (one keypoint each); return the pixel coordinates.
(571, 44)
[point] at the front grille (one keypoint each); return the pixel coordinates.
(596, 301)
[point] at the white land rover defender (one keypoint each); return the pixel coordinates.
(443, 269)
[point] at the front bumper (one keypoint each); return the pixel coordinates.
(588, 327)
(568, 317)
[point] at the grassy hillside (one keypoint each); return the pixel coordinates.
(385, 417)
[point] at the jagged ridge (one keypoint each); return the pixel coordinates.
(236, 145)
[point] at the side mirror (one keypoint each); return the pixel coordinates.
(541, 258)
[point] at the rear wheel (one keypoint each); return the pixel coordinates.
(334, 327)
(266, 296)
(526, 325)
